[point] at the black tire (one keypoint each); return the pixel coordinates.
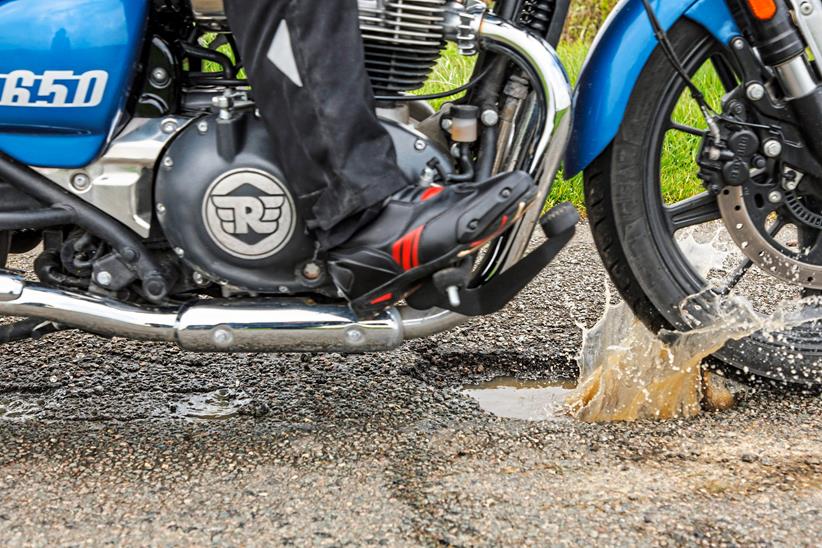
(623, 197)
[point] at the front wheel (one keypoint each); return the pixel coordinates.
(661, 234)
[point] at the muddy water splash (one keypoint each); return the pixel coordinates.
(628, 373)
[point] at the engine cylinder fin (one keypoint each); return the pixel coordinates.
(403, 40)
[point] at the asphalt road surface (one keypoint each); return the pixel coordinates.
(98, 445)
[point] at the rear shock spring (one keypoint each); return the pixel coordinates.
(537, 15)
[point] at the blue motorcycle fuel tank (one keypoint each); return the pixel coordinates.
(66, 67)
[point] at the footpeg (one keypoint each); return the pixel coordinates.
(451, 280)
(560, 219)
(559, 225)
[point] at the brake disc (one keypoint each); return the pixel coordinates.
(780, 263)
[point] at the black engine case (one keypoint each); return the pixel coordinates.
(228, 211)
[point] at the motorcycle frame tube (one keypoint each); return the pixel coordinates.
(616, 59)
(122, 239)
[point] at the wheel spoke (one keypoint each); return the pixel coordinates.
(695, 210)
(734, 278)
(675, 126)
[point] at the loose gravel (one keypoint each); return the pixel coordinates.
(98, 445)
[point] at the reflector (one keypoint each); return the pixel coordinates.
(762, 9)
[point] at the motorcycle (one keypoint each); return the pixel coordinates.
(135, 165)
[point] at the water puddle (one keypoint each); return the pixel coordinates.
(216, 405)
(512, 398)
(19, 409)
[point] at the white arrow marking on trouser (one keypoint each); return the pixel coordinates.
(281, 54)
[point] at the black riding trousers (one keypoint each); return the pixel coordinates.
(305, 62)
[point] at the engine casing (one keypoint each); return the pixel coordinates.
(228, 211)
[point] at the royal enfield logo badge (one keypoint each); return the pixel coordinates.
(249, 214)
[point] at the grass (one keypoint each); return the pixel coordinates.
(679, 171)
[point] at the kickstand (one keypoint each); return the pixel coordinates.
(30, 328)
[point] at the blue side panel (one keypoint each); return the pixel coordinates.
(66, 67)
(613, 66)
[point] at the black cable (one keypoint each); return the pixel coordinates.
(217, 57)
(433, 96)
(466, 164)
(670, 53)
(200, 79)
(486, 156)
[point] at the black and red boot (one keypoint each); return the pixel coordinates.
(422, 231)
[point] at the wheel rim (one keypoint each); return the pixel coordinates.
(667, 220)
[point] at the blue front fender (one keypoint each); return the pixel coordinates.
(615, 62)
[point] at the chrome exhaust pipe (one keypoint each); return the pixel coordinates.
(275, 325)
(97, 315)
(284, 326)
(553, 89)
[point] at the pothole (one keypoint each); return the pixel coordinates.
(529, 400)
(215, 405)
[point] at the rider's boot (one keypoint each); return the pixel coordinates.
(422, 231)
